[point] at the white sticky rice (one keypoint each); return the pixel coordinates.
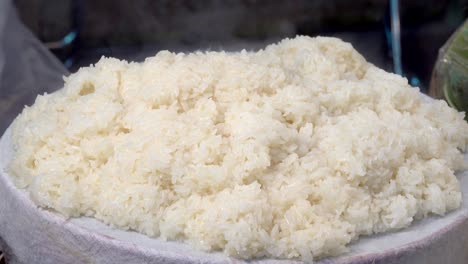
(293, 151)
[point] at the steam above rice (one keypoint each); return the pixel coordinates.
(290, 152)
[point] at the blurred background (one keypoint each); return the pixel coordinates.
(79, 32)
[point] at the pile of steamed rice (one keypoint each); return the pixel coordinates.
(293, 151)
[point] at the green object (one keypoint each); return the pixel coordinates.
(450, 76)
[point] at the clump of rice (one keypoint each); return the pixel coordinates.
(290, 152)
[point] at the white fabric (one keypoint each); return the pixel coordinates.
(27, 68)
